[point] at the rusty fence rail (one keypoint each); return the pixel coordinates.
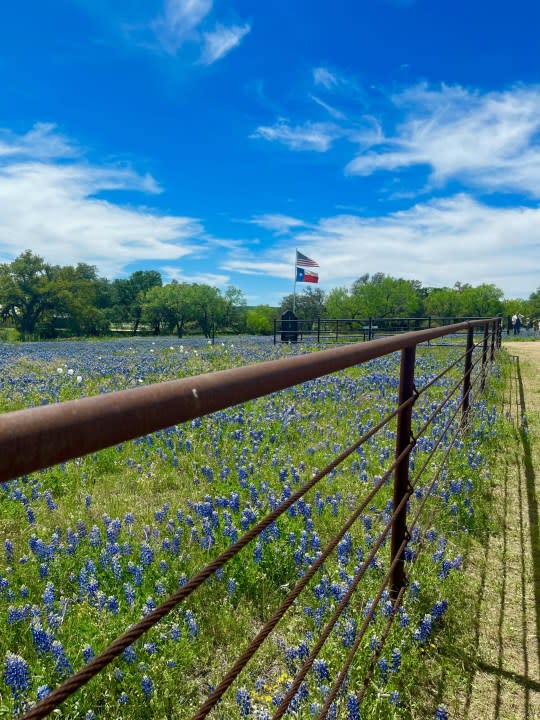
(40, 437)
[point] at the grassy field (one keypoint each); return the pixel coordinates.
(94, 544)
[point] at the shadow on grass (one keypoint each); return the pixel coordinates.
(521, 466)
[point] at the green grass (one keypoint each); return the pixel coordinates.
(302, 425)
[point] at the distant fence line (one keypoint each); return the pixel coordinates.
(40, 437)
(340, 330)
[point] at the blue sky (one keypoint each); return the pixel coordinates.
(210, 138)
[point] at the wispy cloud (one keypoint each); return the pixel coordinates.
(315, 136)
(55, 206)
(334, 112)
(276, 223)
(178, 22)
(489, 140)
(221, 41)
(182, 22)
(326, 79)
(437, 242)
(173, 273)
(43, 141)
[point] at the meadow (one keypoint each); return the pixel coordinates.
(92, 545)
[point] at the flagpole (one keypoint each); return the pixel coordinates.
(294, 291)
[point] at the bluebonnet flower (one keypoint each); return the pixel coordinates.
(147, 686)
(395, 698)
(150, 648)
(30, 516)
(396, 660)
(383, 669)
(43, 691)
(118, 674)
(87, 502)
(193, 628)
(42, 639)
(440, 607)
(62, 663)
(231, 586)
(90, 715)
(414, 590)
(16, 674)
(123, 699)
(353, 708)
(441, 713)
(257, 553)
(320, 668)
(88, 653)
(423, 631)
(130, 656)
(175, 632)
(49, 594)
(349, 632)
(8, 546)
(243, 700)
(147, 554)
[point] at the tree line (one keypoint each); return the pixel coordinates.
(38, 299)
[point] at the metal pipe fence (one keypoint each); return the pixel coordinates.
(40, 437)
(341, 330)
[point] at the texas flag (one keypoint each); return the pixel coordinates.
(304, 275)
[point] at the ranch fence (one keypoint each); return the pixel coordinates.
(40, 437)
(347, 330)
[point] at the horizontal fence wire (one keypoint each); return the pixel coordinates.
(77, 680)
(270, 625)
(282, 709)
(348, 662)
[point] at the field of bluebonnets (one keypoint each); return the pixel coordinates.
(90, 546)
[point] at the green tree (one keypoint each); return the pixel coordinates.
(442, 302)
(384, 296)
(339, 304)
(209, 308)
(260, 320)
(481, 301)
(310, 304)
(26, 291)
(129, 294)
(235, 309)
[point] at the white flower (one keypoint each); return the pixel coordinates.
(59, 370)
(79, 379)
(71, 371)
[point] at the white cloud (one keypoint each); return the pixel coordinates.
(215, 279)
(323, 77)
(438, 243)
(317, 137)
(221, 41)
(41, 142)
(252, 266)
(490, 140)
(55, 207)
(334, 112)
(178, 22)
(276, 223)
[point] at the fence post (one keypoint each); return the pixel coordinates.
(465, 400)
(337, 329)
(485, 353)
(370, 331)
(275, 331)
(401, 473)
(494, 332)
